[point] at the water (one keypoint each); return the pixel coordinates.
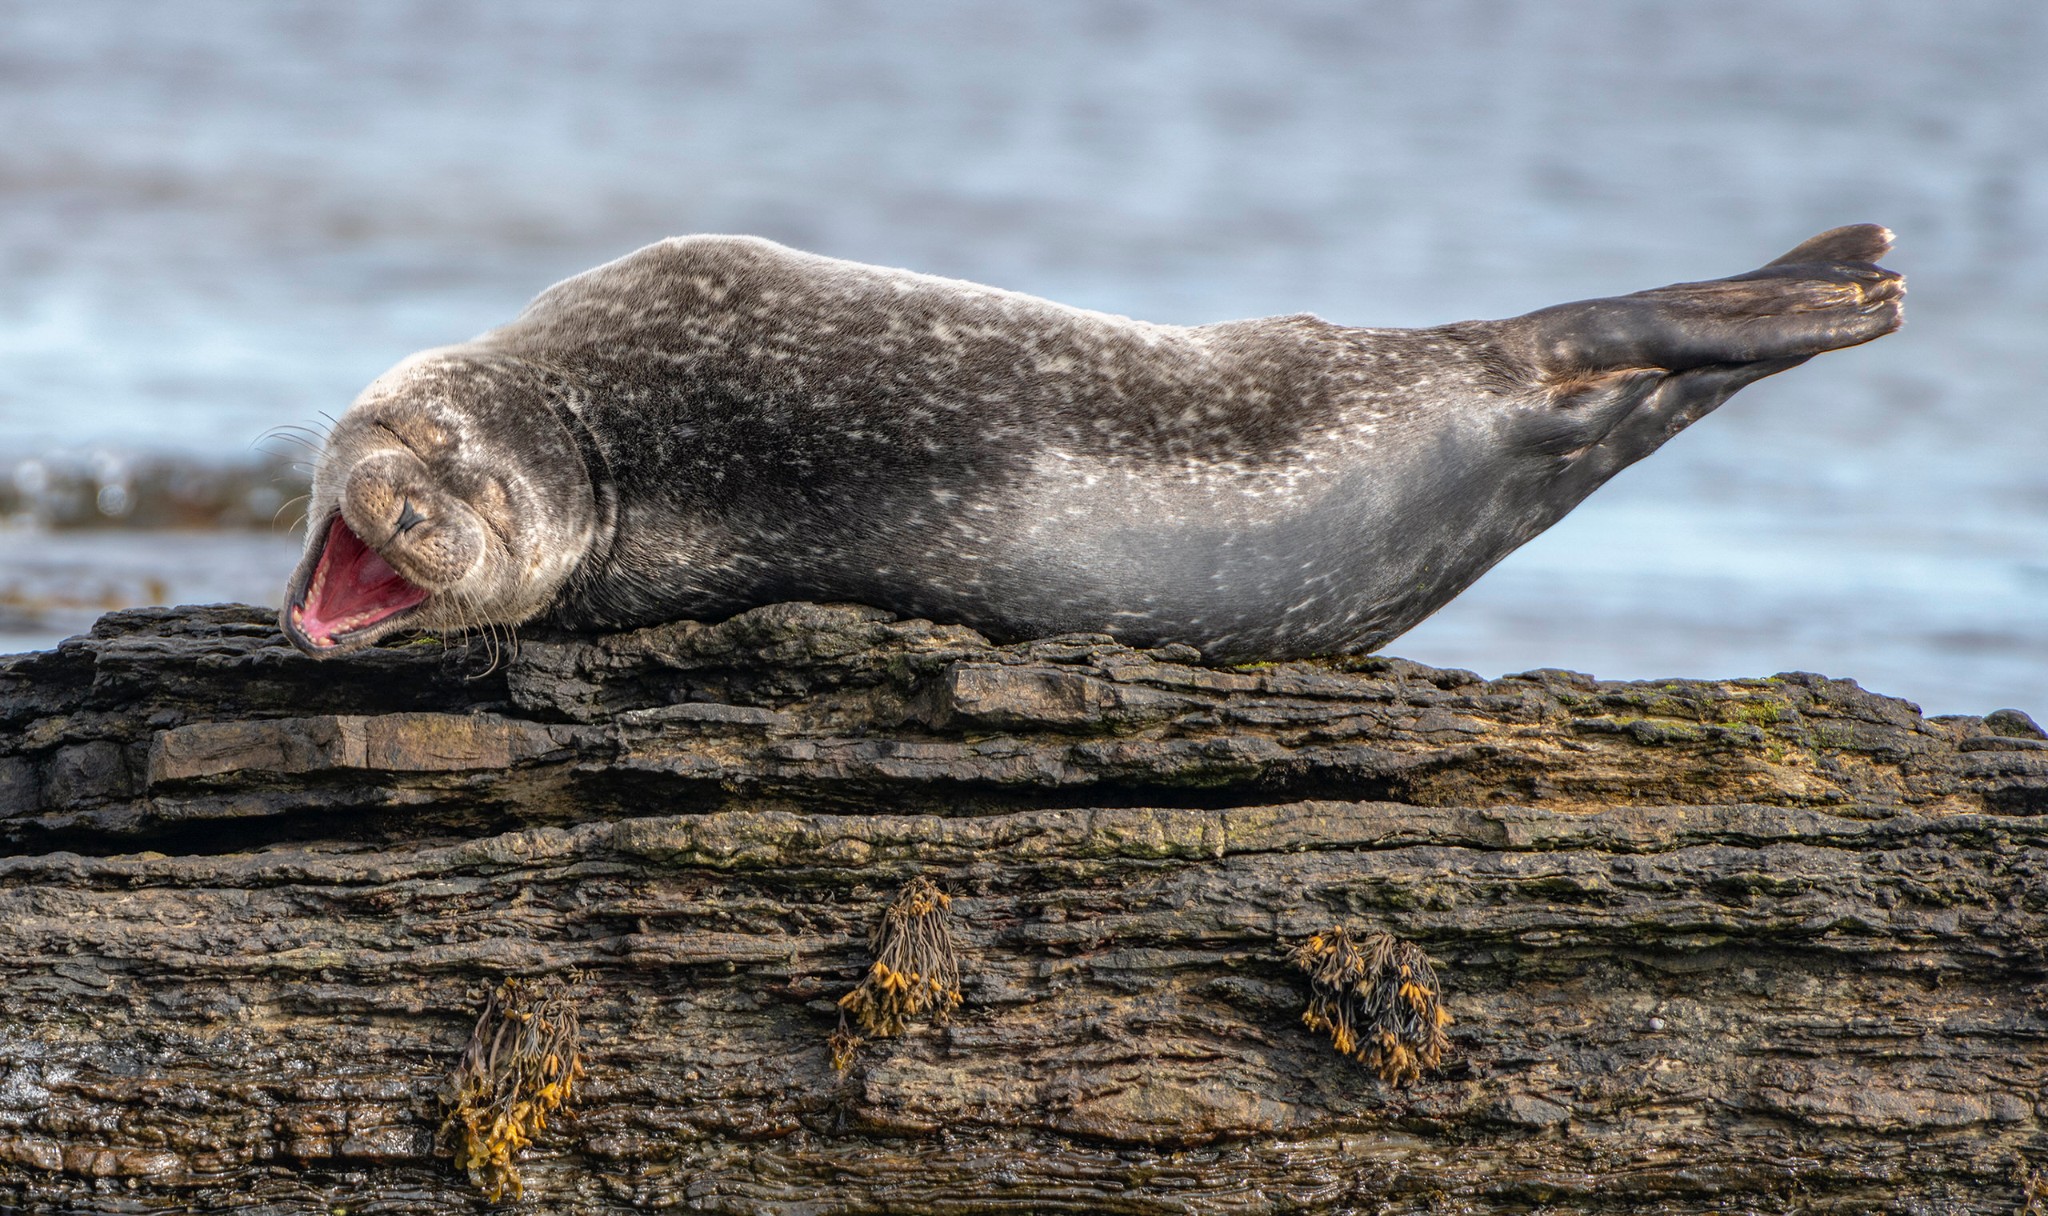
(57, 587)
(216, 218)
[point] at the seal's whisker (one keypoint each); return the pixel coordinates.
(289, 438)
(499, 636)
(456, 631)
(287, 505)
(475, 628)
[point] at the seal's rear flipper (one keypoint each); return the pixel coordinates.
(1822, 296)
(1854, 243)
(1671, 403)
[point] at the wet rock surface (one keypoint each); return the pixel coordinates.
(1746, 945)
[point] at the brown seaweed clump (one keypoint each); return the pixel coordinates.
(1379, 1000)
(843, 1044)
(522, 1060)
(916, 972)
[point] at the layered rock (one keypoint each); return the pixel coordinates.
(1769, 944)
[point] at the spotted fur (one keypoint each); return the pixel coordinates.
(714, 423)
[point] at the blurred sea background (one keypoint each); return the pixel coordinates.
(219, 218)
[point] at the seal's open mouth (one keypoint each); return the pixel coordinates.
(351, 590)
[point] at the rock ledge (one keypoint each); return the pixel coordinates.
(1760, 945)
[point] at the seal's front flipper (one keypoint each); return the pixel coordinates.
(1822, 296)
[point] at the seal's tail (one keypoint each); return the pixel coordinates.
(1824, 295)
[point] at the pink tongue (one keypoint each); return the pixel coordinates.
(352, 587)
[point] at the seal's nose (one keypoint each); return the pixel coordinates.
(408, 518)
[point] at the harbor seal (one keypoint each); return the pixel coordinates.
(714, 423)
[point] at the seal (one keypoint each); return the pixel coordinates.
(714, 423)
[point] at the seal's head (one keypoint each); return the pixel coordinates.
(451, 495)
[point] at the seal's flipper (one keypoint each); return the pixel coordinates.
(1852, 243)
(1672, 403)
(1809, 301)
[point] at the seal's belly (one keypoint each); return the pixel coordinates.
(1229, 559)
